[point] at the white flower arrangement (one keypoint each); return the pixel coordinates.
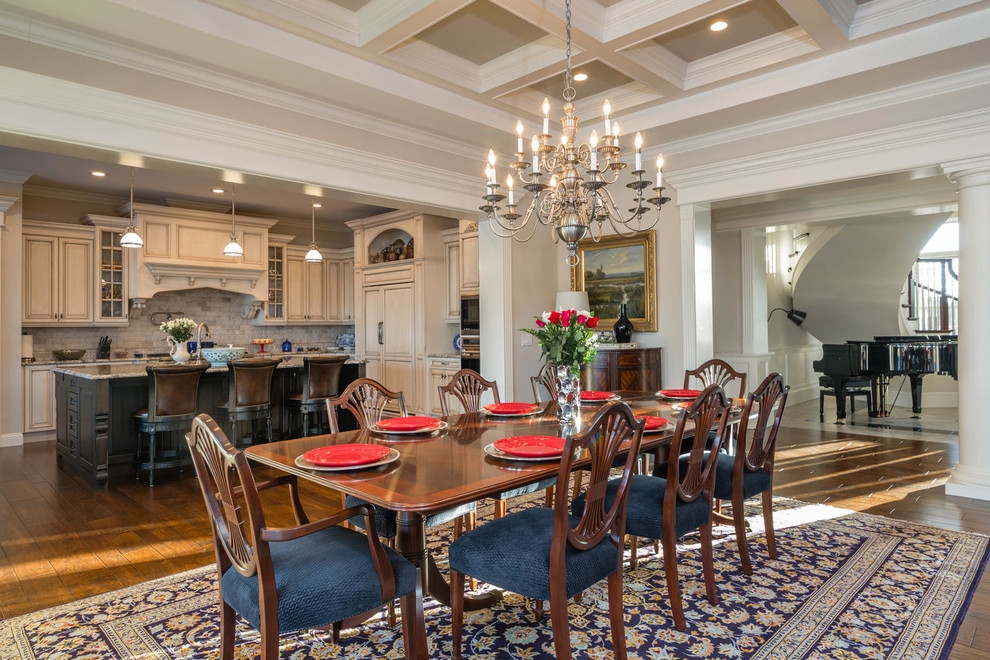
(179, 329)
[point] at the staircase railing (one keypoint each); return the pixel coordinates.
(933, 296)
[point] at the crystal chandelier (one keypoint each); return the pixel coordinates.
(575, 206)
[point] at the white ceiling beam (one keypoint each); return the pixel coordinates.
(633, 21)
(384, 24)
(817, 22)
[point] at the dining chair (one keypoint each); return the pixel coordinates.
(321, 380)
(293, 578)
(549, 554)
(750, 472)
(546, 379)
(716, 372)
(677, 498)
(367, 399)
(467, 386)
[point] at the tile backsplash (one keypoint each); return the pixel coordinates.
(221, 310)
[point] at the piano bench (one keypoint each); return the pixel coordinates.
(851, 393)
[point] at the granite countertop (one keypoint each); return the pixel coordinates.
(448, 355)
(85, 362)
(134, 369)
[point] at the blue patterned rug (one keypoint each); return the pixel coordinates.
(847, 585)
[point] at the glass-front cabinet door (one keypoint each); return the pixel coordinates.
(275, 310)
(112, 305)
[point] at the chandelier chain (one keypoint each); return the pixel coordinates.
(569, 91)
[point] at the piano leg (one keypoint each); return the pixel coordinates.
(916, 394)
(878, 384)
(840, 402)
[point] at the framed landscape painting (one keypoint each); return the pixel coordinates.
(619, 270)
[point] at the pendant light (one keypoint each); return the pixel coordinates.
(233, 249)
(131, 239)
(314, 256)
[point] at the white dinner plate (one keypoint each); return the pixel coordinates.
(442, 427)
(498, 453)
(392, 455)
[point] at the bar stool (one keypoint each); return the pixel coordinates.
(250, 395)
(173, 391)
(321, 381)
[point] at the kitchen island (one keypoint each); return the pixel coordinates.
(95, 406)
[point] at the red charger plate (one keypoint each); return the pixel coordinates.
(596, 396)
(531, 445)
(653, 423)
(409, 424)
(510, 408)
(344, 455)
(680, 394)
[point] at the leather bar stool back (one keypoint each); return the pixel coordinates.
(249, 394)
(173, 392)
(321, 381)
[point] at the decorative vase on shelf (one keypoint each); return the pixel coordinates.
(623, 327)
(179, 350)
(568, 396)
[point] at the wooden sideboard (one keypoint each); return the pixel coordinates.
(623, 369)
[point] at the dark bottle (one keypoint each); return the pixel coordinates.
(623, 327)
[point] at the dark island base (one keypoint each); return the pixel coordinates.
(95, 432)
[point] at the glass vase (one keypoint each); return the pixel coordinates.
(568, 396)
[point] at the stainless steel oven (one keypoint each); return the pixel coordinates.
(470, 314)
(470, 333)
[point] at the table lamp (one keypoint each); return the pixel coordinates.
(577, 300)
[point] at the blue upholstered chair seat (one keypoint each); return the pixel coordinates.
(644, 509)
(385, 520)
(754, 483)
(526, 490)
(514, 553)
(320, 578)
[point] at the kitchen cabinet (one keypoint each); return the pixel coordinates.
(389, 336)
(111, 283)
(340, 286)
(59, 282)
(275, 309)
(469, 254)
(452, 270)
(39, 399)
(623, 369)
(442, 369)
(305, 289)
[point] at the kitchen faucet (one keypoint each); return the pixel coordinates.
(199, 345)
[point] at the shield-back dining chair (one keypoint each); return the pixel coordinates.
(297, 578)
(549, 554)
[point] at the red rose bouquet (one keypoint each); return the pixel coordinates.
(567, 337)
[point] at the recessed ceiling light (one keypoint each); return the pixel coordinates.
(219, 190)
(580, 77)
(718, 26)
(98, 173)
(317, 205)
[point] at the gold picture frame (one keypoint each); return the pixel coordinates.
(617, 269)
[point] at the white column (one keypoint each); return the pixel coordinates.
(11, 411)
(495, 302)
(696, 286)
(971, 477)
(753, 277)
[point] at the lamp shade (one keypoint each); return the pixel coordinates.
(796, 316)
(233, 249)
(572, 300)
(313, 256)
(131, 239)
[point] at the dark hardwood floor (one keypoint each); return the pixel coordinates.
(61, 541)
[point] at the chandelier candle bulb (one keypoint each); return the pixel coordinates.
(608, 124)
(639, 153)
(519, 132)
(594, 150)
(508, 182)
(546, 116)
(659, 168)
(536, 154)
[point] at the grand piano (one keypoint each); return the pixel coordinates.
(878, 360)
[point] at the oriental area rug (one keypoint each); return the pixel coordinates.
(846, 585)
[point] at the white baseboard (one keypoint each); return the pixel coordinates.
(11, 439)
(39, 436)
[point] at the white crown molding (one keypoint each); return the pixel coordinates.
(661, 60)
(48, 192)
(889, 98)
(843, 12)
(630, 16)
(880, 15)
(14, 176)
(379, 16)
(5, 204)
(544, 52)
(438, 62)
(881, 151)
(326, 18)
(54, 109)
(773, 49)
(118, 54)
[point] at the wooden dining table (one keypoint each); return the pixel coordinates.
(448, 468)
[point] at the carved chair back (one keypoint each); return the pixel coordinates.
(250, 383)
(613, 425)
(366, 399)
(173, 390)
(546, 379)
(709, 411)
(321, 377)
(467, 386)
(756, 447)
(716, 372)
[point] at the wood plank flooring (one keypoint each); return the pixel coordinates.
(61, 541)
